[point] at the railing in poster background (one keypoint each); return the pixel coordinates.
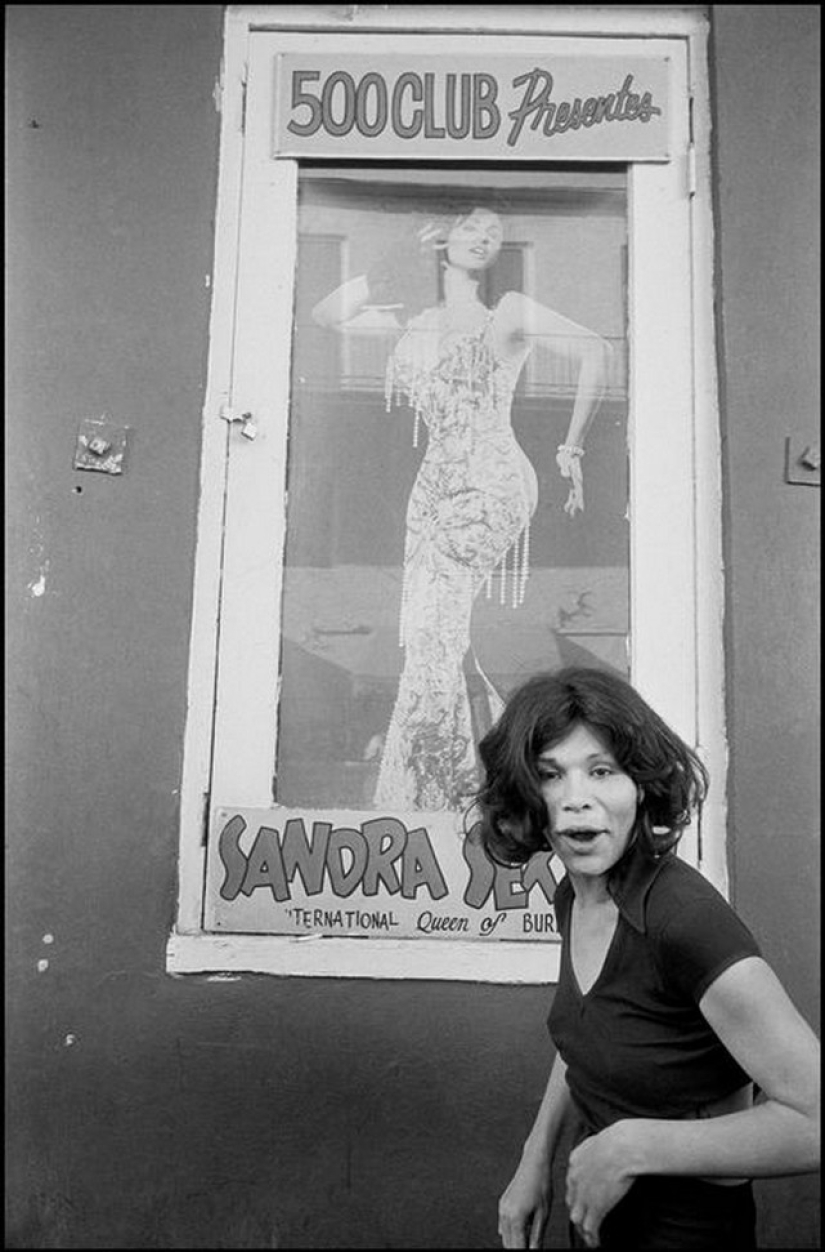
(545, 374)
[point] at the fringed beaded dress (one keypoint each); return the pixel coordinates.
(468, 515)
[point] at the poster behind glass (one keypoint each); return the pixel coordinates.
(353, 466)
(436, 554)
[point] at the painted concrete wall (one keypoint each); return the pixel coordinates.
(149, 1112)
(766, 76)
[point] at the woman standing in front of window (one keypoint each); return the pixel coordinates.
(470, 507)
(665, 1015)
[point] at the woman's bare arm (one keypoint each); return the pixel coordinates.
(525, 1205)
(348, 307)
(522, 320)
(755, 1019)
(752, 1014)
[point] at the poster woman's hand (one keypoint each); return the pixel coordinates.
(568, 459)
(433, 236)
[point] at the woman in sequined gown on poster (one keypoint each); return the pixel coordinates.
(468, 516)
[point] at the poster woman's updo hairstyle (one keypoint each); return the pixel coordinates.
(396, 274)
(672, 781)
(436, 233)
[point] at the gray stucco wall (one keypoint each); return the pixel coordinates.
(149, 1112)
(766, 80)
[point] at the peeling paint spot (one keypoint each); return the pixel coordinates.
(223, 978)
(37, 587)
(70, 1041)
(42, 966)
(48, 938)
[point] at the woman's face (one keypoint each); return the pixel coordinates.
(475, 240)
(591, 802)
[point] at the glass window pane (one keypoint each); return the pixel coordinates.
(452, 328)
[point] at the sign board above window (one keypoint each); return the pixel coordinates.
(554, 108)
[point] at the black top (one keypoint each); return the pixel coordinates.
(636, 1045)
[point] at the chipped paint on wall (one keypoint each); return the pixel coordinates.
(39, 562)
(37, 587)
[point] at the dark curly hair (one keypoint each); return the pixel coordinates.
(510, 806)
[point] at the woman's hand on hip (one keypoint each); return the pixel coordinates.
(598, 1177)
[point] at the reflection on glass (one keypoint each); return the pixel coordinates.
(436, 559)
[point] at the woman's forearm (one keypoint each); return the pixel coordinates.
(769, 1139)
(525, 1205)
(590, 388)
(342, 304)
(555, 1108)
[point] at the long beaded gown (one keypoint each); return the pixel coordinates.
(468, 515)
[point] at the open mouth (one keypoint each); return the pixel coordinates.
(583, 835)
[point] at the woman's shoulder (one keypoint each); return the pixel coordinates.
(511, 304)
(696, 932)
(510, 320)
(676, 877)
(680, 895)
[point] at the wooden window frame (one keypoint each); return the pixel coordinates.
(226, 520)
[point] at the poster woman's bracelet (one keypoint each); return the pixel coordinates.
(571, 449)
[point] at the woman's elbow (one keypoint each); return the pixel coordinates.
(606, 355)
(596, 358)
(809, 1138)
(816, 1147)
(814, 1121)
(809, 1153)
(320, 314)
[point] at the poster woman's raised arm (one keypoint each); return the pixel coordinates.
(524, 321)
(358, 304)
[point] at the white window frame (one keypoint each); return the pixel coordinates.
(677, 664)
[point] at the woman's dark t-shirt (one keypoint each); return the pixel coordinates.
(636, 1045)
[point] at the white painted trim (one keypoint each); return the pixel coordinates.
(523, 19)
(189, 949)
(710, 589)
(662, 493)
(247, 693)
(432, 959)
(197, 744)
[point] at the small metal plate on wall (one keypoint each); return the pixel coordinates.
(803, 461)
(101, 446)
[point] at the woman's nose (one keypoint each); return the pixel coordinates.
(576, 793)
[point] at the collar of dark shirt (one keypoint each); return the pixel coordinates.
(630, 882)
